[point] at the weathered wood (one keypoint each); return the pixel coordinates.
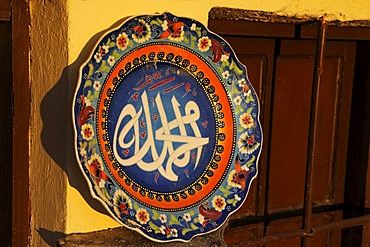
(6, 115)
(122, 236)
(4, 10)
(21, 121)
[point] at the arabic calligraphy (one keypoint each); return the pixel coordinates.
(163, 161)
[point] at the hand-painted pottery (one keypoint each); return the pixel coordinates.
(166, 127)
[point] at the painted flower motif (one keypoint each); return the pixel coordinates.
(87, 132)
(83, 152)
(163, 218)
(142, 32)
(104, 50)
(246, 120)
(95, 167)
(98, 57)
(193, 27)
(204, 44)
(142, 216)
(122, 41)
(201, 219)
(224, 57)
(242, 82)
(226, 74)
(111, 60)
(236, 197)
(87, 101)
(165, 230)
(187, 217)
(247, 93)
(247, 144)
(97, 85)
(173, 232)
(238, 100)
(99, 188)
(232, 181)
(121, 202)
(219, 203)
(165, 25)
(178, 35)
(101, 183)
(96, 161)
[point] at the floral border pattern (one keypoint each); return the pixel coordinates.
(211, 214)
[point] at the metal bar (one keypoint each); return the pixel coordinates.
(336, 225)
(300, 233)
(313, 133)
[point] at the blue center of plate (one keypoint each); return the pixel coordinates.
(161, 127)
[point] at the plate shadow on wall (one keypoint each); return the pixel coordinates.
(57, 135)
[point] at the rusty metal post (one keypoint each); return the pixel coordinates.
(313, 133)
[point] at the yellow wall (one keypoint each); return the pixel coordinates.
(87, 18)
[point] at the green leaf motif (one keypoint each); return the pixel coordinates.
(236, 69)
(195, 220)
(240, 129)
(249, 110)
(112, 44)
(174, 220)
(250, 162)
(220, 70)
(92, 143)
(192, 213)
(103, 64)
(88, 83)
(136, 207)
(157, 22)
(186, 230)
(96, 93)
(193, 226)
(225, 191)
(198, 30)
(155, 215)
(90, 96)
(238, 109)
(225, 63)
(153, 226)
(131, 43)
(91, 70)
(115, 54)
(234, 90)
(186, 39)
(84, 145)
(193, 39)
(230, 201)
(105, 193)
(192, 45)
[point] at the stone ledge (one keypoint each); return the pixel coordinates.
(122, 236)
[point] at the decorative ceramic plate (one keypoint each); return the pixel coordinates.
(167, 128)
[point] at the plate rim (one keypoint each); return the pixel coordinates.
(115, 27)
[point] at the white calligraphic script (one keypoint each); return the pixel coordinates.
(163, 133)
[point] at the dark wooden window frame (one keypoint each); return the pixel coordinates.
(255, 24)
(17, 14)
(20, 18)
